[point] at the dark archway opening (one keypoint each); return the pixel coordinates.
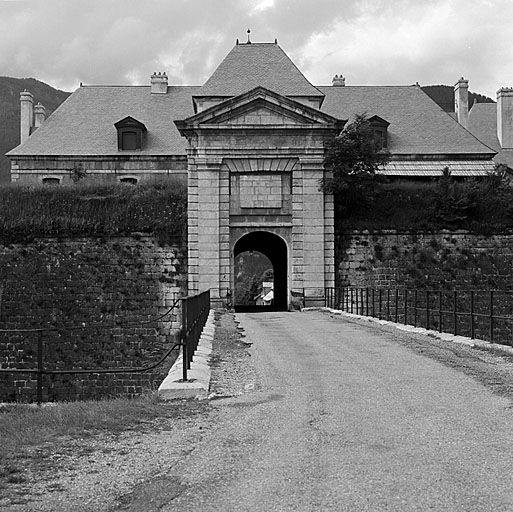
(275, 249)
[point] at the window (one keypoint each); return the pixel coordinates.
(129, 181)
(131, 134)
(129, 140)
(380, 127)
(51, 181)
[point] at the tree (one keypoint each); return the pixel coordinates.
(352, 159)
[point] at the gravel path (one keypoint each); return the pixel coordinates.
(372, 419)
(126, 471)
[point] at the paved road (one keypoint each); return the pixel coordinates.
(343, 418)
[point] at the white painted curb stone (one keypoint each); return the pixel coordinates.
(198, 376)
(419, 330)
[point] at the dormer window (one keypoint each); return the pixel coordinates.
(380, 128)
(131, 134)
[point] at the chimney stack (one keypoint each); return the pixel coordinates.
(39, 115)
(338, 81)
(26, 115)
(461, 101)
(158, 83)
(505, 117)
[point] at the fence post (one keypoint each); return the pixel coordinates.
(185, 355)
(373, 303)
(380, 302)
(440, 315)
(455, 312)
(491, 316)
(367, 301)
(39, 367)
(405, 306)
(396, 305)
(357, 301)
(415, 309)
(427, 310)
(472, 314)
(388, 304)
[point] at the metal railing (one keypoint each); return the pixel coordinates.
(484, 314)
(195, 310)
(194, 317)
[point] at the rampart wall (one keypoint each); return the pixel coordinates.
(124, 282)
(445, 259)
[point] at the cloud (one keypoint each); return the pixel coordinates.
(64, 42)
(432, 43)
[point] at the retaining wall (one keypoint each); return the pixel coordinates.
(115, 281)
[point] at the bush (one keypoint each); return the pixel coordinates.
(478, 205)
(83, 209)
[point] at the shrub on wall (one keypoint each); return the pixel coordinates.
(82, 209)
(478, 205)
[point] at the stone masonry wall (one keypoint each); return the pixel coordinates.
(448, 259)
(478, 267)
(122, 282)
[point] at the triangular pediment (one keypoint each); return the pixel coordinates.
(260, 107)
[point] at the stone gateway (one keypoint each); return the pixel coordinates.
(250, 143)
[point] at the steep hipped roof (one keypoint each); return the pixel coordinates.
(482, 122)
(417, 124)
(257, 64)
(84, 124)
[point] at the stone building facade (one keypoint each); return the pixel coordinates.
(250, 142)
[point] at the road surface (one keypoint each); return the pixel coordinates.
(344, 418)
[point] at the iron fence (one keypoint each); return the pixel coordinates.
(483, 314)
(194, 314)
(195, 309)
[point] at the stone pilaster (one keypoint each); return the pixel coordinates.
(192, 229)
(329, 241)
(313, 229)
(209, 233)
(297, 230)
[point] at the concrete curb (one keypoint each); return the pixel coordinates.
(198, 376)
(495, 347)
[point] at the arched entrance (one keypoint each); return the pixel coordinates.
(274, 248)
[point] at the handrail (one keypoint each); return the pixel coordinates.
(40, 370)
(84, 326)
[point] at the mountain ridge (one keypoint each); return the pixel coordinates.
(10, 89)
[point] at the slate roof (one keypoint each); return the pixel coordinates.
(482, 122)
(417, 124)
(257, 64)
(84, 124)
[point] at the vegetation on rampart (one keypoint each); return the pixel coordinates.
(482, 205)
(86, 209)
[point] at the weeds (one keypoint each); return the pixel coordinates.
(85, 209)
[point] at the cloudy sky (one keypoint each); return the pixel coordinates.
(370, 42)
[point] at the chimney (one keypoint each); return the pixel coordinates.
(39, 115)
(27, 115)
(461, 101)
(159, 83)
(505, 117)
(338, 81)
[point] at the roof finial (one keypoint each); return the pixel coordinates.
(249, 32)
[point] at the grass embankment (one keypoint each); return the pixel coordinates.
(95, 210)
(29, 432)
